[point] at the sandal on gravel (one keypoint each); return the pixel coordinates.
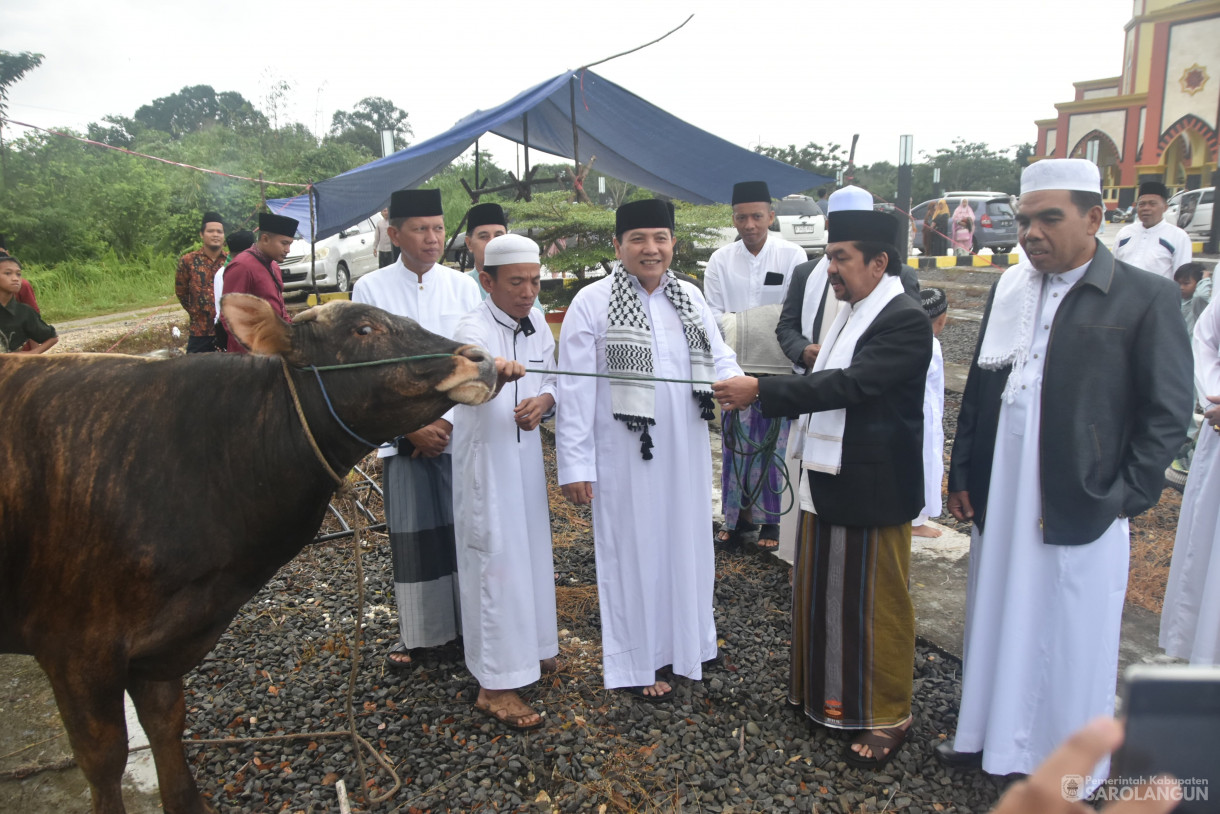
(509, 719)
(638, 692)
(890, 739)
(768, 538)
(399, 664)
(551, 666)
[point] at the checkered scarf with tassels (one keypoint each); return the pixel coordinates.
(629, 353)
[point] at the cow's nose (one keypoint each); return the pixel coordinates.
(475, 354)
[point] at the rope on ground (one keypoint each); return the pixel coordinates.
(744, 453)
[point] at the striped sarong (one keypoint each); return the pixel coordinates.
(419, 513)
(744, 467)
(853, 625)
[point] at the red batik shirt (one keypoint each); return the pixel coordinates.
(193, 285)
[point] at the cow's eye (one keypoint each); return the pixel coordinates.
(364, 330)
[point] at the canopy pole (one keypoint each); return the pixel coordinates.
(476, 163)
(525, 133)
(313, 249)
(575, 132)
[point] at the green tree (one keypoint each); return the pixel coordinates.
(199, 107)
(362, 125)
(823, 160)
(12, 68)
(975, 166)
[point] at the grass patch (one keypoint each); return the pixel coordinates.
(84, 288)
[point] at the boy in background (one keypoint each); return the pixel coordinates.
(18, 321)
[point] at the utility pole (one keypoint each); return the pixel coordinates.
(906, 151)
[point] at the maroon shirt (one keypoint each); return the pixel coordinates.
(248, 273)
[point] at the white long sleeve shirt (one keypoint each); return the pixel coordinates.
(1161, 249)
(437, 301)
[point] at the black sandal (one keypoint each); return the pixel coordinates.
(891, 738)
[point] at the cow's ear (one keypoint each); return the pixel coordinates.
(255, 325)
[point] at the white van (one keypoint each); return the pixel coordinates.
(1192, 210)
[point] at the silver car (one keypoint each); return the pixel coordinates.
(802, 222)
(340, 259)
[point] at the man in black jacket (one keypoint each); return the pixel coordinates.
(861, 441)
(1077, 399)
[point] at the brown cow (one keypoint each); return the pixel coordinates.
(143, 502)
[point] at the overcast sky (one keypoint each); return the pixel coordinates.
(776, 73)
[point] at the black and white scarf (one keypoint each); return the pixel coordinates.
(629, 353)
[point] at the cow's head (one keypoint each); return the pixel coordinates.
(380, 401)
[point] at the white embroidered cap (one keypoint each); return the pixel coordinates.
(849, 197)
(508, 249)
(1061, 173)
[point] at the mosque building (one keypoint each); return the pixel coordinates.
(1158, 119)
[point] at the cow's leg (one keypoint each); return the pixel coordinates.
(90, 700)
(162, 713)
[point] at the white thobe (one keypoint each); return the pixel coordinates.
(1161, 249)
(933, 434)
(1190, 620)
(218, 287)
(1040, 655)
(437, 301)
(652, 520)
(736, 280)
(501, 518)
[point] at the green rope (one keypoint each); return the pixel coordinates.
(735, 440)
(422, 357)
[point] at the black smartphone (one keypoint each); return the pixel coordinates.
(1172, 714)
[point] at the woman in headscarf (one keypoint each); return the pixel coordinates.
(963, 227)
(936, 228)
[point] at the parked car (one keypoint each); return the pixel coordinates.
(802, 222)
(1192, 211)
(340, 259)
(995, 222)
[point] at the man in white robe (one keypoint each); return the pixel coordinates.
(1190, 619)
(1153, 243)
(502, 520)
(651, 491)
(936, 306)
(417, 470)
(745, 274)
(1076, 402)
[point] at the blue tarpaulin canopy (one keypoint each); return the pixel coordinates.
(634, 141)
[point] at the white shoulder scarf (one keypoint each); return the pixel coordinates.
(1010, 326)
(823, 449)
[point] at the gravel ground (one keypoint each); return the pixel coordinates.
(728, 743)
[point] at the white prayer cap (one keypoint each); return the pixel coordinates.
(508, 249)
(849, 197)
(1061, 173)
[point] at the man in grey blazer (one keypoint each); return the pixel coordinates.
(1075, 403)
